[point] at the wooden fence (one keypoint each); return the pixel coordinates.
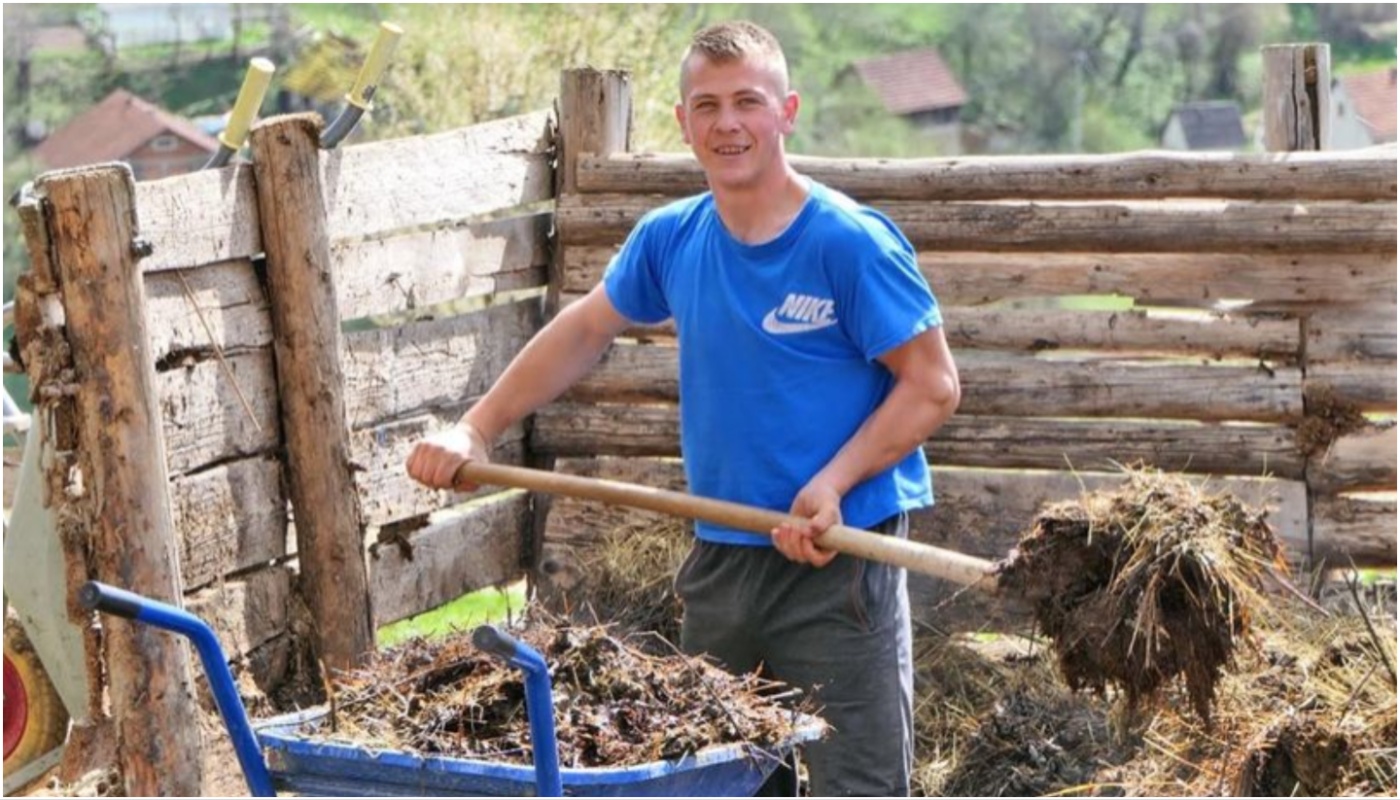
(1264, 400)
(231, 412)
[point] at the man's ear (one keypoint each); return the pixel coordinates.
(680, 120)
(790, 105)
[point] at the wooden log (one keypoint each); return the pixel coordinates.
(971, 277)
(247, 612)
(595, 116)
(1352, 333)
(1367, 385)
(386, 492)
(229, 518)
(121, 455)
(400, 184)
(1363, 461)
(1129, 226)
(1297, 97)
(579, 430)
(420, 270)
(1025, 386)
(204, 415)
(193, 312)
(397, 372)
(1149, 174)
(474, 548)
(199, 218)
(1211, 334)
(1192, 333)
(1354, 529)
(306, 324)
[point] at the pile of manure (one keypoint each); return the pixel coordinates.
(1143, 583)
(615, 705)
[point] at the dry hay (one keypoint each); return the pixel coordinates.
(1142, 583)
(1311, 710)
(630, 571)
(614, 704)
(1000, 724)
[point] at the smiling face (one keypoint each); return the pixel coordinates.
(735, 113)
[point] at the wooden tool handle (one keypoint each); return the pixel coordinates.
(947, 564)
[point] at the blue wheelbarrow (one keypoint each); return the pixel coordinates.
(297, 764)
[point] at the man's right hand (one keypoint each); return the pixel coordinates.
(436, 458)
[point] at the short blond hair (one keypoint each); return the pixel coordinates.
(735, 41)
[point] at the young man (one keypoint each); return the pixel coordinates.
(813, 366)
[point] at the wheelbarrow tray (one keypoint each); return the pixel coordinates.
(315, 768)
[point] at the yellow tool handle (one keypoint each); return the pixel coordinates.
(250, 99)
(373, 68)
(946, 564)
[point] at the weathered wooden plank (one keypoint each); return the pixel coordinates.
(1024, 386)
(395, 372)
(204, 418)
(394, 185)
(480, 546)
(418, 270)
(246, 612)
(229, 518)
(1299, 277)
(1368, 385)
(1363, 461)
(580, 430)
(132, 542)
(1357, 529)
(227, 297)
(1192, 333)
(1161, 332)
(1127, 226)
(1148, 174)
(973, 277)
(386, 493)
(307, 343)
(1353, 333)
(198, 218)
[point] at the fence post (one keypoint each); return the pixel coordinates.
(1297, 97)
(306, 340)
(124, 486)
(595, 116)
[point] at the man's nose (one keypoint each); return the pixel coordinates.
(728, 119)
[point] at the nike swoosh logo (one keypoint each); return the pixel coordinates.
(772, 324)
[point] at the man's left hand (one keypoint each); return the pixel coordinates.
(819, 507)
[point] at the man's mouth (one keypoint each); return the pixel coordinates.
(731, 150)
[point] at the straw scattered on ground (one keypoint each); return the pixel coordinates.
(1140, 584)
(1310, 710)
(615, 705)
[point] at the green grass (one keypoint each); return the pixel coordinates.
(464, 613)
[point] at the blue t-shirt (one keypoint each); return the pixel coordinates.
(777, 346)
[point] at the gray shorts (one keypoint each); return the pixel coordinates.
(840, 633)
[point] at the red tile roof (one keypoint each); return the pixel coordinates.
(1373, 96)
(912, 81)
(112, 130)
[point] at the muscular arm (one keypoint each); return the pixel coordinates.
(925, 395)
(556, 358)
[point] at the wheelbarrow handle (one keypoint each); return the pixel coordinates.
(539, 703)
(946, 564)
(129, 605)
